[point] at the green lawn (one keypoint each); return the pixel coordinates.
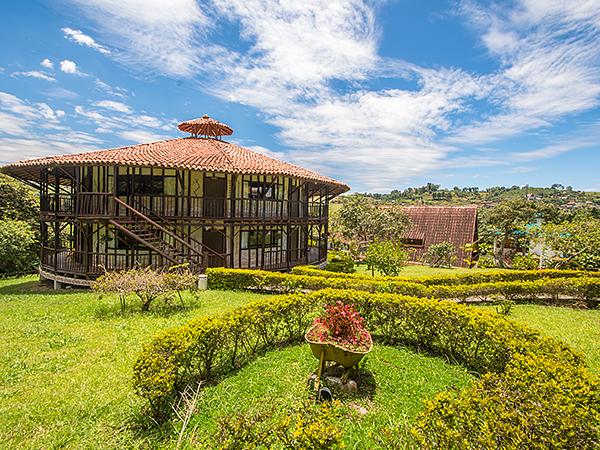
(66, 361)
(416, 270)
(400, 379)
(65, 364)
(578, 328)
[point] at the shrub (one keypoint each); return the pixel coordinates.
(307, 427)
(387, 256)
(525, 262)
(458, 278)
(533, 392)
(17, 247)
(340, 261)
(583, 289)
(146, 284)
(486, 262)
(440, 255)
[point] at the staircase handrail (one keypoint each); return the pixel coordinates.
(153, 223)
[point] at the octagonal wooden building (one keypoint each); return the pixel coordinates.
(198, 200)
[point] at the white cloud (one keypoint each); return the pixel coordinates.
(30, 130)
(307, 67)
(141, 136)
(34, 74)
(81, 38)
(47, 64)
(116, 91)
(70, 67)
(115, 106)
(159, 34)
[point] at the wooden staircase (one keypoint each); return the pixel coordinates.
(169, 244)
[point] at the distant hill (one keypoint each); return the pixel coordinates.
(564, 197)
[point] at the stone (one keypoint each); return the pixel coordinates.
(350, 387)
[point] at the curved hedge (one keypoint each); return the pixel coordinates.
(534, 392)
(584, 289)
(459, 278)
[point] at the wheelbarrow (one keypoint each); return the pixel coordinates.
(328, 351)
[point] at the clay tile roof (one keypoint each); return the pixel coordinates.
(435, 224)
(202, 154)
(205, 126)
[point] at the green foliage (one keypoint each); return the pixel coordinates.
(577, 243)
(440, 255)
(387, 256)
(545, 286)
(307, 427)
(360, 222)
(469, 277)
(540, 401)
(146, 284)
(340, 261)
(528, 381)
(525, 262)
(504, 307)
(18, 253)
(486, 262)
(18, 201)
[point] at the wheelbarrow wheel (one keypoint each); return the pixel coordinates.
(324, 395)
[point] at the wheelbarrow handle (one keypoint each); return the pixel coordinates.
(320, 369)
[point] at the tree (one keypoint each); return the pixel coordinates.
(386, 256)
(360, 222)
(17, 247)
(440, 255)
(18, 201)
(576, 243)
(505, 221)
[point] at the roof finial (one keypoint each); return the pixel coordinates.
(205, 127)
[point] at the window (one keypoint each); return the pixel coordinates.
(258, 239)
(412, 242)
(259, 190)
(140, 184)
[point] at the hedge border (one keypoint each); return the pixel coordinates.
(459, 278)
(582, 290)
(534, 391)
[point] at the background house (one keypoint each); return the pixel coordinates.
(434, 224)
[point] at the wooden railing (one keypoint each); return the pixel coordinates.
(100, 204)
(68, 261)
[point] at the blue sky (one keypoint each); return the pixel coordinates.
(379, 94)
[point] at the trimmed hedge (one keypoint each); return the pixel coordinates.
(459, 278)
(535, 392)
(582, 289)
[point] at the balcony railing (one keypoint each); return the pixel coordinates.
(92, 264)
(100, 204)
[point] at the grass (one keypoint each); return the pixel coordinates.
(417, 270)
(65, 364)
(578, 328)
(66, 359)
(395, 381)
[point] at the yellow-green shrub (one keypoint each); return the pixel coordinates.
(585, 289)
(534, 392)
(459, 278)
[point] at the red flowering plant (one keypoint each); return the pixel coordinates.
(342, 325)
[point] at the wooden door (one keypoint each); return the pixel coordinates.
(214, 240)
(215, 193)
(294, 199)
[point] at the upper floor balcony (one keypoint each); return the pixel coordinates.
(172, 207)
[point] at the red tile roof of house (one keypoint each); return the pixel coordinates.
(435, 224)
(202, 154)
